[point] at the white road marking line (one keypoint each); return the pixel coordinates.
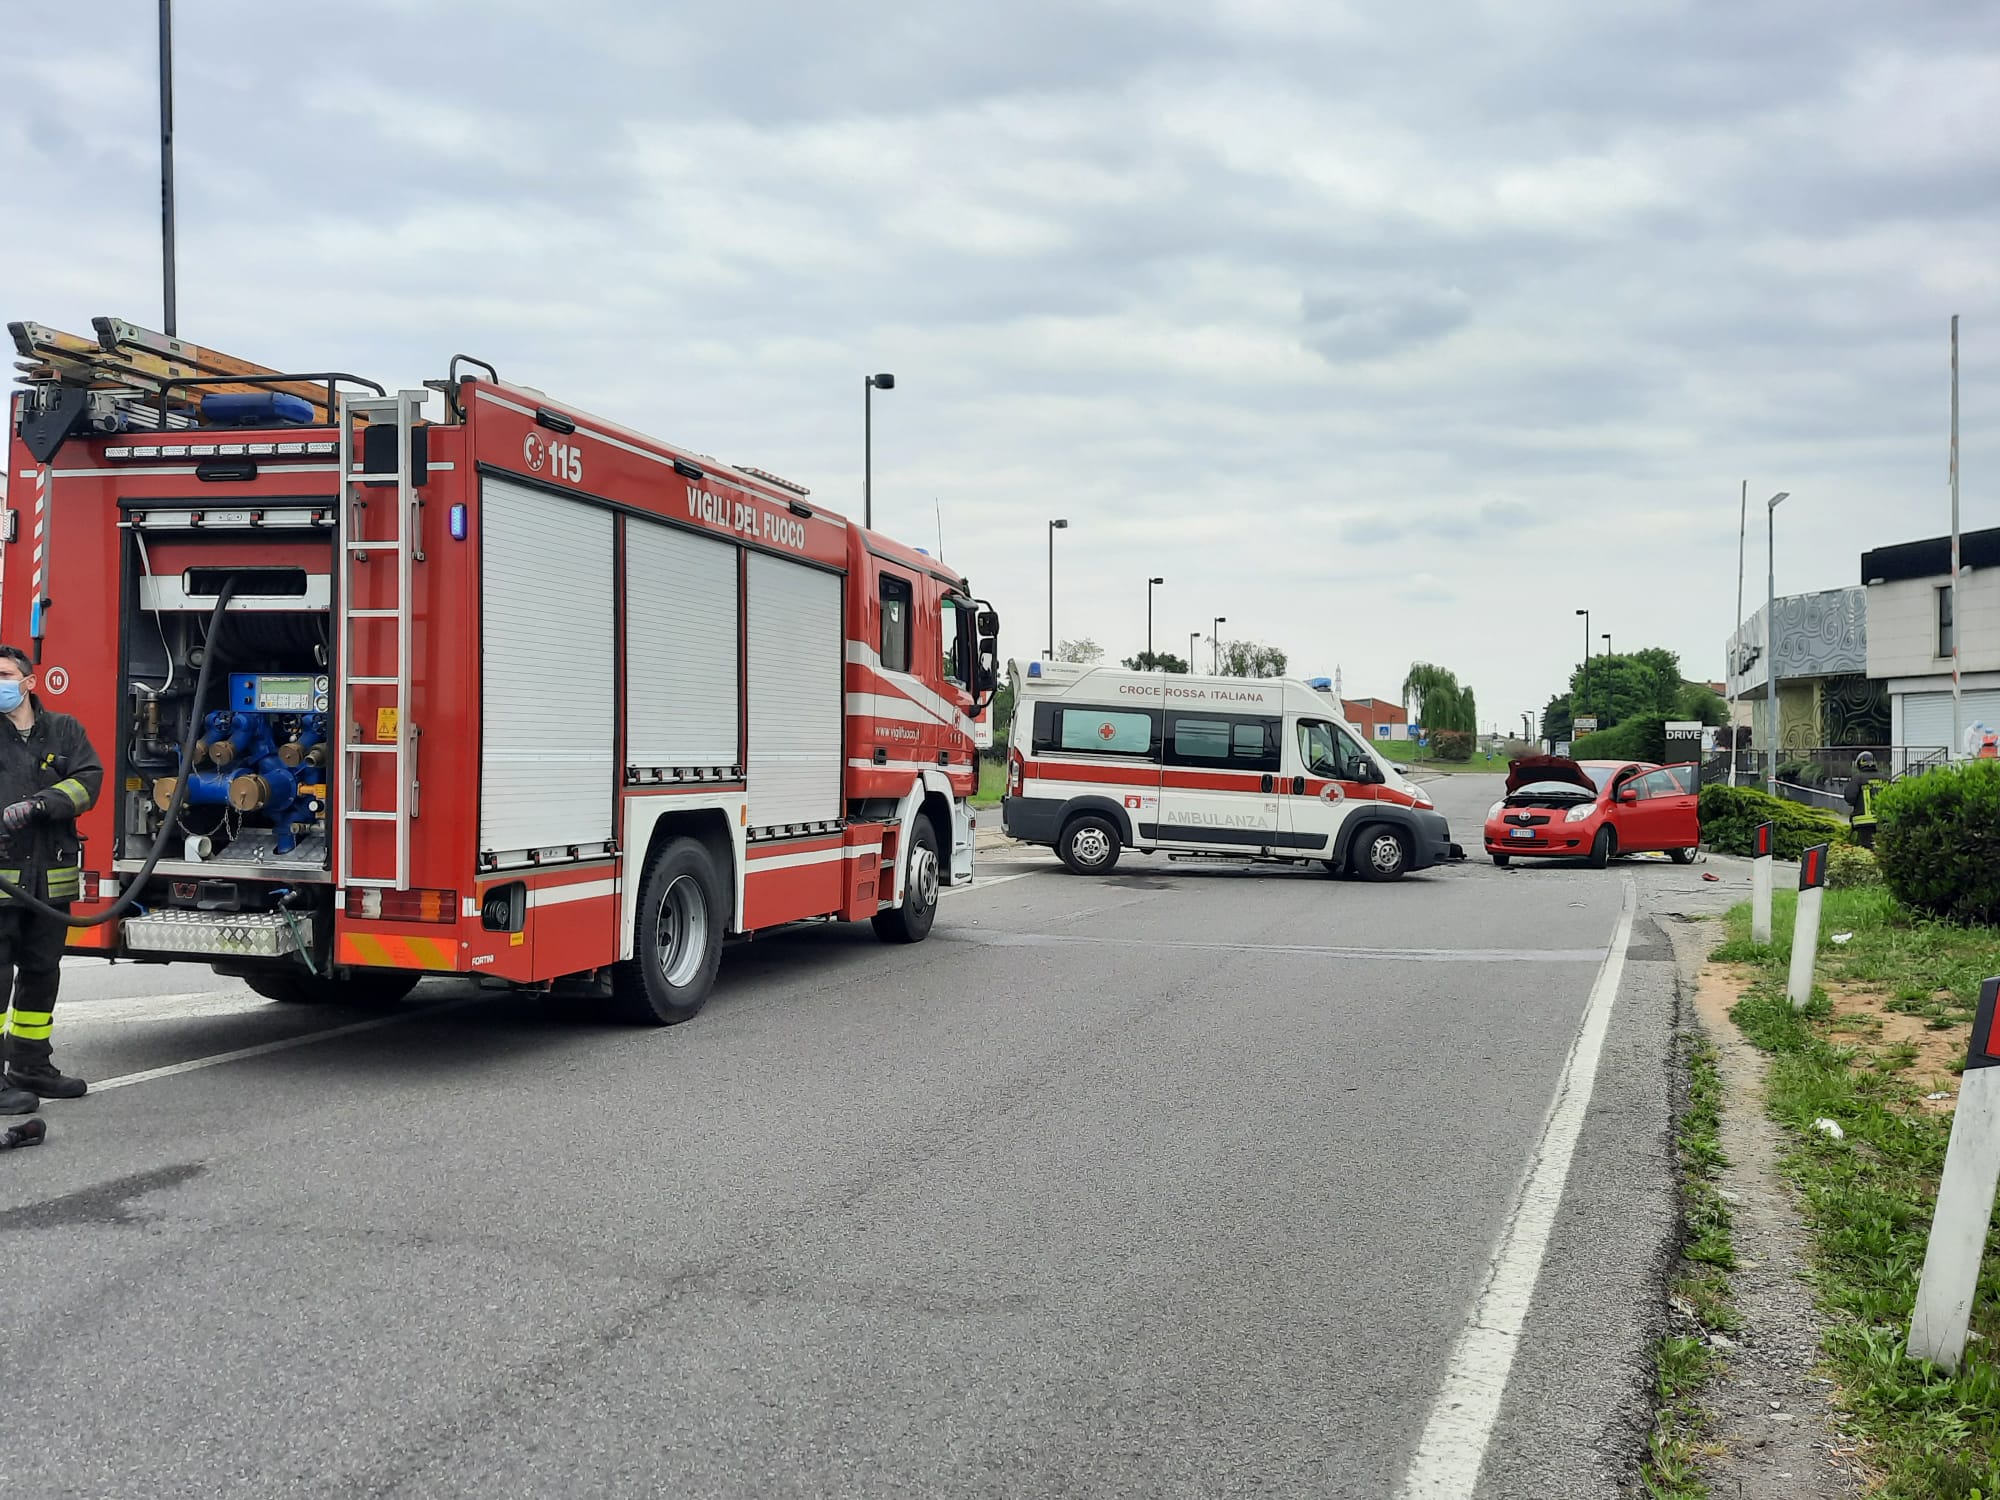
(981, 882)
(158, 1008)
(284, 1044)
(1452, 1450)
(994, 939)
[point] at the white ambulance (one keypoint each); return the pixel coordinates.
(1102, 760)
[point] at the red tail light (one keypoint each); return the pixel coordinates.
(1014, 773)
(402, 906)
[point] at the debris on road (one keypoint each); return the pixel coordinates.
(1830, 1128)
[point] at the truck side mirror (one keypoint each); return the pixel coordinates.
(989, 626)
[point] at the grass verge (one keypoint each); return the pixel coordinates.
(1869, 1196)
(992, 784)
(1685, 1361)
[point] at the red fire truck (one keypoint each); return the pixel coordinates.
(467, 681)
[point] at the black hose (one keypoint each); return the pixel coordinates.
(130, 899)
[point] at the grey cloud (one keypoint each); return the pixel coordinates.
(1364, 325)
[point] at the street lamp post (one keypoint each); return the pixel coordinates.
(1194, 640)
(1054, 527)
(1736, 629)
(1582, 695)
(870, 384)
(1150, 584)
(1215, 645)
(1605, 722)
(1771, 639)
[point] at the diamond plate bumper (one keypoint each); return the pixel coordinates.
(213, 933)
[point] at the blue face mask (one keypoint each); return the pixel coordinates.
(10, 694)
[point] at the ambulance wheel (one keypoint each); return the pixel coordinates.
(1380, 854)
(911, 922)
(358, 987)
(676, 939)
(1090, 845)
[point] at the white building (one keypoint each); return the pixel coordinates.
(1910, 631)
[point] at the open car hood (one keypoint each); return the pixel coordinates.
(1532, 768)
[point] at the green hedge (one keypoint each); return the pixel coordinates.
(1730, 815)
(1938, 841)
(1851, 867)
(1451, 744)
(1635, 739)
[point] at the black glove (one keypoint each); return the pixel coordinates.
(19, 815)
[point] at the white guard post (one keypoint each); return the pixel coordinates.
(1805, 932)
(1760, 888)
(1964, 1202)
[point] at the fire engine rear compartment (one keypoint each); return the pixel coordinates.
(615, 661)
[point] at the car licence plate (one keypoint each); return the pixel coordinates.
(1520, 833)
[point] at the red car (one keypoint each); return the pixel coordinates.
(1594, 809)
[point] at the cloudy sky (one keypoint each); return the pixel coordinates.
(1390, 332)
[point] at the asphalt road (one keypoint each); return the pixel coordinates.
(1188, 1181)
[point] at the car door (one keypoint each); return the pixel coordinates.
(1645, 812)
(1218, 787)
(1676, 806)
(1323, 785)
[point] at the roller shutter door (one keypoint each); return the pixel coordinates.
(798, 651)
(548, 727)
(682, 676)
(1927, 717)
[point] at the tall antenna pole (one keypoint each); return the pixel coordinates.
(167, 161)
(1957, 699)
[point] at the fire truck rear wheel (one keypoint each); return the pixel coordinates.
(354, 988)
(911, 922)
(677, 939)
(1090, 845)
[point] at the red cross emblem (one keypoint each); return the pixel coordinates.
(1105, 732)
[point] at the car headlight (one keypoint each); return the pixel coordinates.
(1420, 798)
(1494, 811)
(1580, 812)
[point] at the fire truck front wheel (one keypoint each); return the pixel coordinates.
(911, 922)
(1089, 845)
(676, 941)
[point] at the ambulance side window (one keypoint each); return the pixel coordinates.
(1074, 730)
(896, 618)
(1328, 750)
(1224, 741)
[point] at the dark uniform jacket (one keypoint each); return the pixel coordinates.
(54, 764)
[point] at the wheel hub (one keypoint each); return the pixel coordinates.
(1091, 846)
(681, 931)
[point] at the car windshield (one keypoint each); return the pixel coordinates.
(1554, 789)
(1601, 774)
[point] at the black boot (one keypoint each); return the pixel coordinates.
(15, 1101)
(39, 1076)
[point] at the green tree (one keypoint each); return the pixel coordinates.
(1156, 661)
(1085, 652)
(1252, 659)
(1701, 703)
(1556, 719)
(1435, 699)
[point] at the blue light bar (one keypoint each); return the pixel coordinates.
(1034, 669)
(458, 523)
(255, 409)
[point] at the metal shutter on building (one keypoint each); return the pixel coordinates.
(681, 670)
(548, 727)
(1927, 717)
(798, 651)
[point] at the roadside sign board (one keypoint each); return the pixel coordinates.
(1684, 741)
(1583, 724)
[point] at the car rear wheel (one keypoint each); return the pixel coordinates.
(1380, 854)
(1601, 849)
(1681, 856)
(1090, 845)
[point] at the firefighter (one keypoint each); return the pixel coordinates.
(48, 775)
(1862, 788)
